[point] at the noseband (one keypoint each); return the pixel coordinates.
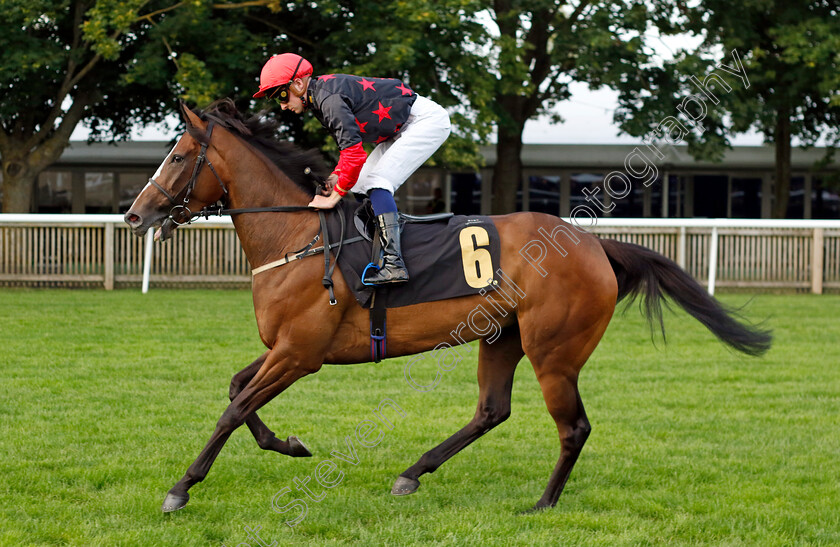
(187, 190)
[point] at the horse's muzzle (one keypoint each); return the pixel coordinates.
(140, 225)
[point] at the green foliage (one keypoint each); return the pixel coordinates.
(433, 46)
(535, 49)
(790, 53)
(109, 396)
(143, 55)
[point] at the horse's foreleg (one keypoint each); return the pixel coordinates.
(279, 371)
(265, 437)
(496, 364)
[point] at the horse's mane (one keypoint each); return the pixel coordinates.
(260, 132)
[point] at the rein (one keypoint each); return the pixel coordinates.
(218, 209)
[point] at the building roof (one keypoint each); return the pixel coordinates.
(579, 156)
(128, 153)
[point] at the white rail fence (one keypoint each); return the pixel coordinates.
(99, 250)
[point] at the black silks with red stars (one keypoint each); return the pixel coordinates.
(359, 109)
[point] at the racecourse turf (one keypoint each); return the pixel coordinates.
(107, 397)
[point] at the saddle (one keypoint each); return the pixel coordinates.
(434, 250)
(365, 221)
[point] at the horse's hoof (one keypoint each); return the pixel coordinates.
(404, 486)
(535, 509)
(173, 502)
(297, 449)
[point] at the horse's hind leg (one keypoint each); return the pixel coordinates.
(265, 437)
(496, 364)
(565, 406)
(557, 367)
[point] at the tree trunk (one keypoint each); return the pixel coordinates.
(781, 191)
(507, 173)
(18, 183)
(22, 162)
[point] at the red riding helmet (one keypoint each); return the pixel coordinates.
(282, 69)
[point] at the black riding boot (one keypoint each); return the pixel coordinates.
(393, 268)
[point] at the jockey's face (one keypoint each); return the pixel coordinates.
(295, 101)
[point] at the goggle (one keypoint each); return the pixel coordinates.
(280, 94)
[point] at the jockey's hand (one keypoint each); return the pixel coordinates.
(329, 182)
(328, 202)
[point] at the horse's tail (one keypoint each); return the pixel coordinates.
(641, 271)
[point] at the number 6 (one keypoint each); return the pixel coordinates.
(478, 264)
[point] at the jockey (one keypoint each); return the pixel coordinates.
(405, 127)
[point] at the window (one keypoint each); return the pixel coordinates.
(826, 198)
(633, 204)
(131, 184)
(710, 196)
(588, 181)
(99, 193)
(54, 192)
(544, 194)
(415, 196)
(746, 197)
(466, 193)
(676, 196)
(796, 198)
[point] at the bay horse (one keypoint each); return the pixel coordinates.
(574, 296)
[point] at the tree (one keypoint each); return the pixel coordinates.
(116, 64)
(540, 47)
(433, 45)
(112, 64)
(788, 52)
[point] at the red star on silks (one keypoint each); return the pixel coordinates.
(326, 77)
(382, 112)
(381, 139)
(366, 84)
(405, 90)
(361, 125)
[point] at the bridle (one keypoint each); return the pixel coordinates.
(218, 209)
(187, 190)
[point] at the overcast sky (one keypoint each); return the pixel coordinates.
(588, 119)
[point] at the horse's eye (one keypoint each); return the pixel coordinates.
(177, 158)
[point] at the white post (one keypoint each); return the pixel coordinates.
(108, 256)
(681, 248)
(147, 259)
(817, 261)
(713, 260)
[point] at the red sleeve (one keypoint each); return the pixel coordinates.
(349, 164)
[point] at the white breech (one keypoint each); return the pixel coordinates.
(393, 161)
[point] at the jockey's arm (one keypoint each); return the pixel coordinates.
(340, 120)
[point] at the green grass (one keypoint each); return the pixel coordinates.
(108, 397)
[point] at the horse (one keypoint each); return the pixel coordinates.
(255, 174)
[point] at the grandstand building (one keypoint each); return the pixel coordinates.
(105, 178)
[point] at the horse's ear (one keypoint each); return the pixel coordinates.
(190, 117)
